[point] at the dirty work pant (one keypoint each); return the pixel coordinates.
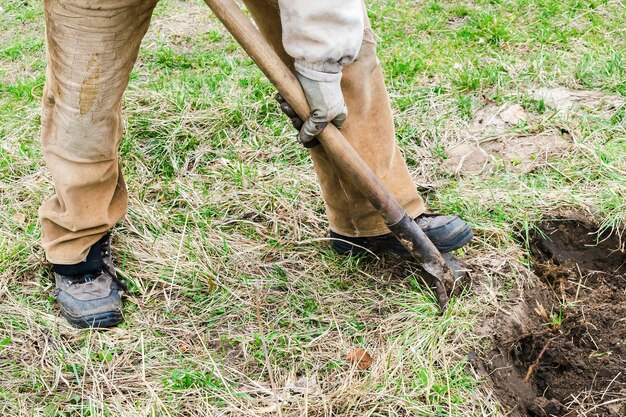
(92, 46)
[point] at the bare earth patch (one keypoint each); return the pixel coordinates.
(493, 118)
(494, 144)
(567, 101)
(561, 348)
(493, 147)
(517, 154)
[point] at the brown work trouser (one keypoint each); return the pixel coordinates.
(92, 46)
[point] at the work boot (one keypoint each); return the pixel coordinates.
(448, 233)
(90, 293)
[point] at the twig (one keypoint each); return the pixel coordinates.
(533, 367)
(580, 282)
(168, 296)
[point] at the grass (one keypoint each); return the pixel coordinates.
(225, 218)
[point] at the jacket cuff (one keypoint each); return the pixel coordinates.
(318, 72)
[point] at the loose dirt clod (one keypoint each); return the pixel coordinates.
(571, 355)
(494, 118)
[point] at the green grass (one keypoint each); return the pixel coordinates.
(225, 216)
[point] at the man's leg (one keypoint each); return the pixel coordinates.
(369, 128)
(91, 49)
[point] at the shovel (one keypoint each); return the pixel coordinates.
(404, 228)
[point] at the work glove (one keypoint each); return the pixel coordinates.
(323, 93)
(296, 121)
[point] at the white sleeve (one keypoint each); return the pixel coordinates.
(322, 35)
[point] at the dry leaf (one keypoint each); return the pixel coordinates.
(488, 100)
(360, 358)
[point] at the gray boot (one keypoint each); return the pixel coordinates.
(448, 233)
(90, 293)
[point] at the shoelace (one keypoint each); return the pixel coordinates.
(107, 268)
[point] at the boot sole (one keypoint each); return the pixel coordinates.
(95, 321)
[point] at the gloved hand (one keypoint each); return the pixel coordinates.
(323, 93)
(296, 121)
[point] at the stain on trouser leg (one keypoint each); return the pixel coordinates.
(369, 128)
(91, 49)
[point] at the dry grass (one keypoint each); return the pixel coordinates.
(225, 218)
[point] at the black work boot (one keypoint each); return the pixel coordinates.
(90, 293)
(447, 233)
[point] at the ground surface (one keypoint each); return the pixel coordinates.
(566, 349)
(510, 113)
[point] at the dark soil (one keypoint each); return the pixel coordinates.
(561, 350)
